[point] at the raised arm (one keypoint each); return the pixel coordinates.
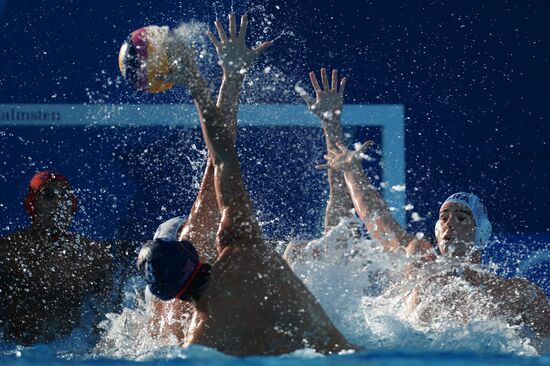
(239, 224)
(369, 204)
(238, 218)
(328, 106)
(201, 226)
(204, 215)
(235, 59)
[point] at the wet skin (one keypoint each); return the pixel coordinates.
(457, 230)
(517, 299)
(47, 272)
(254, 303)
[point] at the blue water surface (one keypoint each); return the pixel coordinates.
(40, 355)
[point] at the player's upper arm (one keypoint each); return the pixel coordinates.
(539, 313)
(535, 303)
(238, 227)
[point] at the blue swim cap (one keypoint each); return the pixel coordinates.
(168, 264)
(479, 212)
(169, 267)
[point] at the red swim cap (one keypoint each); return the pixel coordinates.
(38, 180)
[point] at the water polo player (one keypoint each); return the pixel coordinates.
(47, 272)
(249, 301)
(461, 232)
(201, 225)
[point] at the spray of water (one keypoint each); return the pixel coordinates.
(366, 292)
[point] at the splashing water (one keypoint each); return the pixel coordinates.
(367, 294)
(364, 291)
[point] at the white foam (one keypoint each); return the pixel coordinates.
(365, 293)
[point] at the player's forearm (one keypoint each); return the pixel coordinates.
(230, 189)
(228, 98)
(219, 139)
(339, 204)
(332, 129)
(373, 210)
(367, 201)
(230, 90)
(200, 92)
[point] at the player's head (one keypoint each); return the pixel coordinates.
(171, 267)
(463, 225)
(50, 201)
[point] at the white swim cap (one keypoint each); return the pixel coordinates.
(483, 225)
(168, 230)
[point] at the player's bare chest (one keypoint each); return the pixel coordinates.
(50, 267)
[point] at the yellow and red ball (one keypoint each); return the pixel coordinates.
(143, 59)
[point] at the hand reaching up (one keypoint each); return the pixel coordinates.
(343, 159)
(329, 99)
(235, 56)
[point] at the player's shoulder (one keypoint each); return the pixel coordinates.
(96, 249)
(524, 287)
(15, 238)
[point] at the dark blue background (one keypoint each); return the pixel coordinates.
(472, 77)
(128, 180)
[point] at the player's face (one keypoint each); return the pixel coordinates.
(53, 206)
(457, 229)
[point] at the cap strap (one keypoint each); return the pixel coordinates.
(189, 281)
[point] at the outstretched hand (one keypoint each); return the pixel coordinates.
(343, 159)
(235, 56)
(329, 99)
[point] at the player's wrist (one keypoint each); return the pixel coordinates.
(354, 170)
(329, 116)
(232, 77)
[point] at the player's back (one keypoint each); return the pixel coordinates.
(256, 305)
